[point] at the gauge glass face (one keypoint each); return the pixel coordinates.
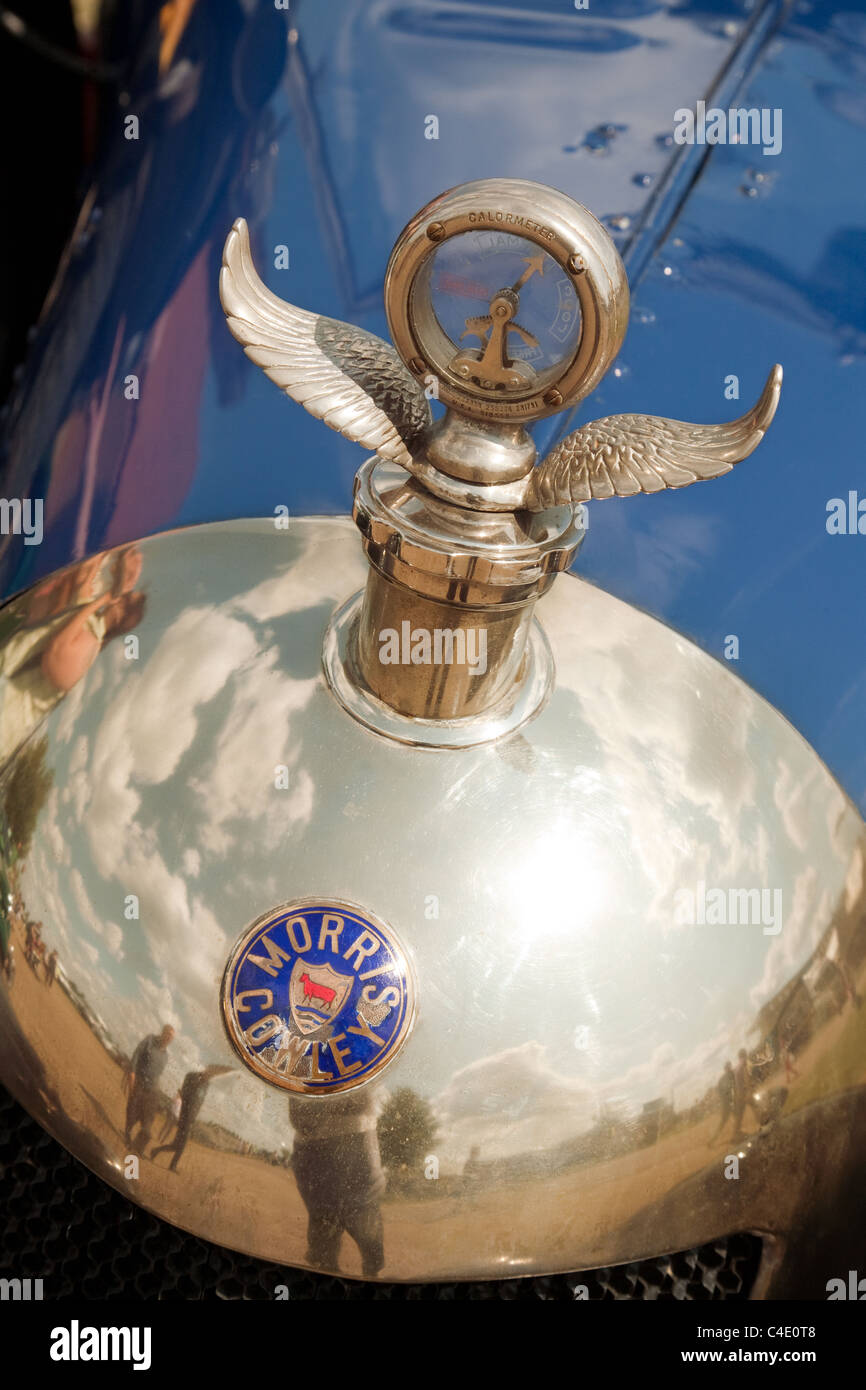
(509, 313)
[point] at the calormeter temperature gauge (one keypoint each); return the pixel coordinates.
(511, 295)
(506, 301)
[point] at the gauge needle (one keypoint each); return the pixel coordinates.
(534, 264)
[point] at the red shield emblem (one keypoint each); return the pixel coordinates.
(316, 994)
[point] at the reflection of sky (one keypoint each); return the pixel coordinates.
(556, 856)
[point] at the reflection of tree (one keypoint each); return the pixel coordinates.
(26, 792)
(406, 1130)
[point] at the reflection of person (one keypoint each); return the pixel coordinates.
(472, 1174)
(64, 591)
(33, 946)
(72, 649)
(148, 1064)
(192, 1094)
(172, 1116)
(742, 1079)
(790, 1065)
(99, 577)
(338, 1171)
(726, 1088)
(472, 1166)
(64, 631)
(848, 982)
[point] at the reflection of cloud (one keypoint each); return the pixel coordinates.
(512, 1103)
(317, 576)
(185, 941)
(131, 1011)
(791, 795)
(70, 708)
(674, 759)
(114, 939)
(520, 1077)
(152, 721)
(254, 739)
(191, 862)
(48, 826)
(183, 938)
(854, 880)
(850, 106)
(111, 934)
(671, 1073)
(76, 784)
(160, 1003)
(653, 1073)
(804, 919)
(671, 550)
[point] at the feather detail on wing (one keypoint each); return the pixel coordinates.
(625, 454)
(349, 378)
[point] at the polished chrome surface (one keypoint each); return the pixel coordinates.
(472, 454)
(342, 657)
(439, 552)
(565, 895)
(445, 621)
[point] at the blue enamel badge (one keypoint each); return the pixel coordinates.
(318, 996)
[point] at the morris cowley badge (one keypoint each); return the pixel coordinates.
(318, 997)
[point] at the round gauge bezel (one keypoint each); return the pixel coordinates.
(570, 235)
